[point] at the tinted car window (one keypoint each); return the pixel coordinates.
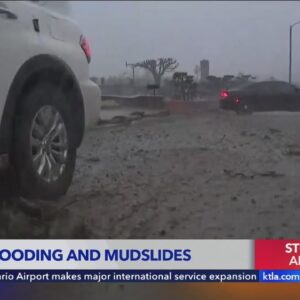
(282, 87)
(241, 87)
(272, 87)
(261, 87)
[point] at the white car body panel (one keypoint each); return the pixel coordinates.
(58, 36)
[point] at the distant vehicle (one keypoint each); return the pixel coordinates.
(46, 96)
(261, 96)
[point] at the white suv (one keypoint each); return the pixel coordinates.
(46, 96)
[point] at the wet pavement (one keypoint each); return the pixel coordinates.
(206, 174)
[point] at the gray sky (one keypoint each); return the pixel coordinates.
(248, 37)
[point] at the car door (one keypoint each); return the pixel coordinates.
(273, 96)
(293, 99)
(279, 96)
(263, 97)
(283, 95)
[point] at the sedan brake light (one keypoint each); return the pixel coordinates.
(224, 94)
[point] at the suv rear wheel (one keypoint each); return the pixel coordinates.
(43, 152)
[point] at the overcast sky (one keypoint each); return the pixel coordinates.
(249, 37)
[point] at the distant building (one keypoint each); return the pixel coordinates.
(204, 69)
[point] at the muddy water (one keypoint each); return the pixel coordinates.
(207, 175)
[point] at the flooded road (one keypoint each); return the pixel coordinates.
(210, 174)
(207, 174)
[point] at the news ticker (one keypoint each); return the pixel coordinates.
(149, 261)
(129, 276)
(123, 276)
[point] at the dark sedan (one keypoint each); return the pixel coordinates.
(261, 96)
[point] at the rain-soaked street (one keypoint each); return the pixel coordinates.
(206, 175)
(209, 174)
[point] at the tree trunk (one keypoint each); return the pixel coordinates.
(157, 78)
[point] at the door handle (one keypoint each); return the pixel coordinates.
(9, 14)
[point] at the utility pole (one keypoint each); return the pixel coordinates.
(290, 58)
(290, 52)
(132, 66)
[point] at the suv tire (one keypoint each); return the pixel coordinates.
(43, 153)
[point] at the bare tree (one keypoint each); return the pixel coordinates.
(186, 85)
(158, 67)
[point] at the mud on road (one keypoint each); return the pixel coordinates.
(210, 174)
(207, 175)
